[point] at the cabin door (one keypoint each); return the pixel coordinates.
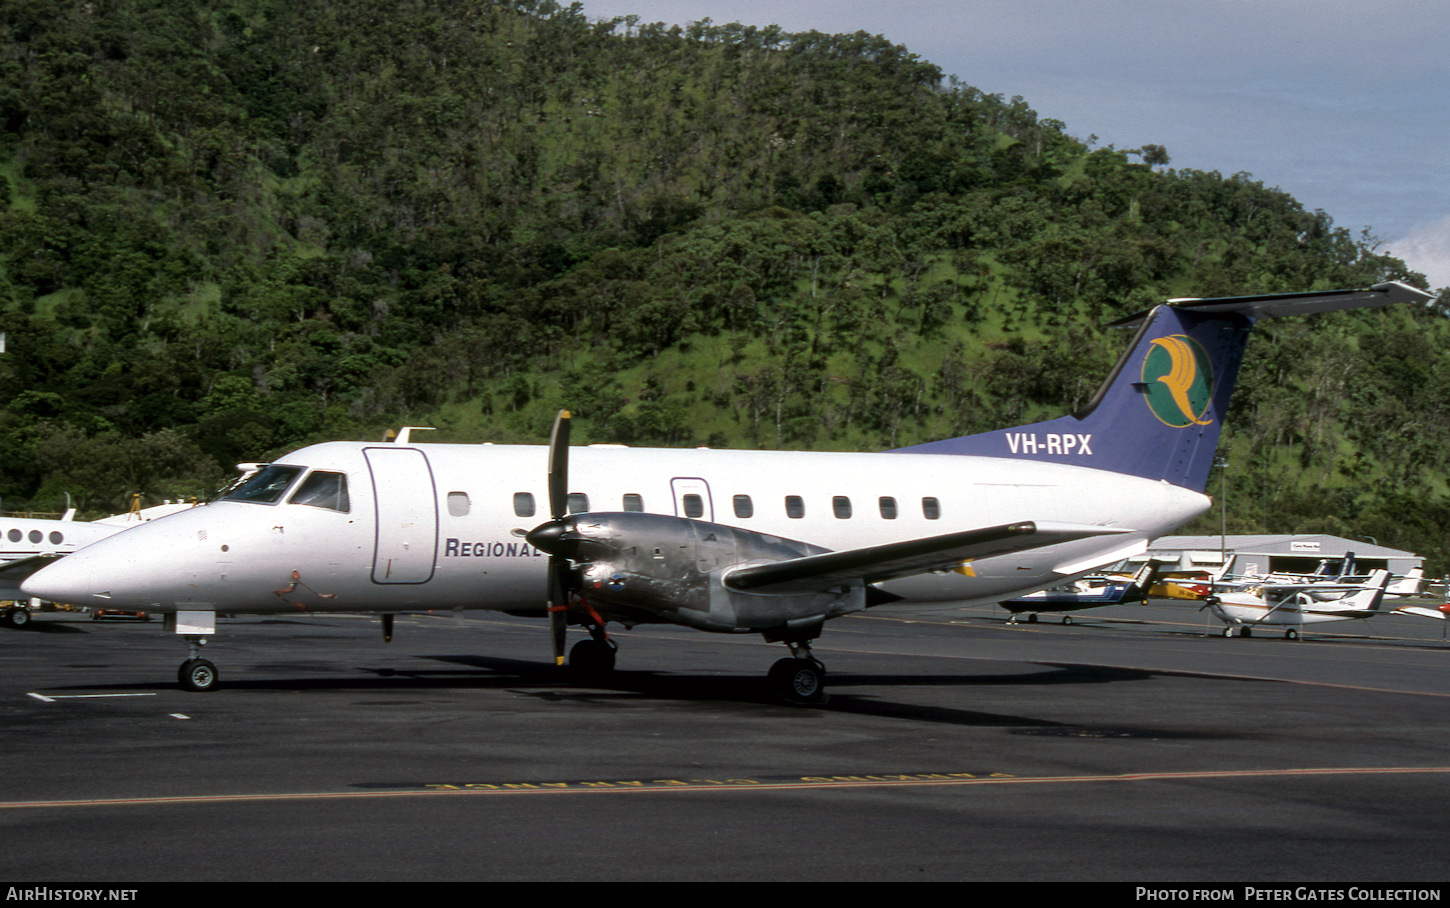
(405, 504)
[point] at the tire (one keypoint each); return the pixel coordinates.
(17, 617)
(798, 681)
(1291, 634)
(591, 658)
(198, 675)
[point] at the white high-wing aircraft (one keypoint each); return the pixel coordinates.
(1293, 605)
(28, 544)
(767, 542)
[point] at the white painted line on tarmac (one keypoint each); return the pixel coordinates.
(53, 697)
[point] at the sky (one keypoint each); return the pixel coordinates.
(1343, 104)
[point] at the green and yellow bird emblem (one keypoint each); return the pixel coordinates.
(1178, 378)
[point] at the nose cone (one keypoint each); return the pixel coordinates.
(67, 581)
(140, 568)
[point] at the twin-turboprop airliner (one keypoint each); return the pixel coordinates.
(757, 542)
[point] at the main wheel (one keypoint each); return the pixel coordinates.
(591, 658)
(18, 616)
(798, 680)
(1291, 634)
(1067, 619)
(198, 675)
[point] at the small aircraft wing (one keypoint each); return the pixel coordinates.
(900, 559)
(1423, 612)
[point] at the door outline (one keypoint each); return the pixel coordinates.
(404, 533)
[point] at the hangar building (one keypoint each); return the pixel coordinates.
(1261, 555)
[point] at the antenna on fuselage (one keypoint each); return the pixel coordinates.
(404, 436)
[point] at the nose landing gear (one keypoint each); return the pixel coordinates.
(196, 674)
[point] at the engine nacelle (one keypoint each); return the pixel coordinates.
(678, 570)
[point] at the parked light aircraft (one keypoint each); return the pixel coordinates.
(767, 542)
(1293, 605)
(1089, 592)
(28, 544)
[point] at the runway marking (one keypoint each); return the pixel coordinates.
(53, 697)
(795, 783)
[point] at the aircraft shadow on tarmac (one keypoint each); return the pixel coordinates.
(547, 683)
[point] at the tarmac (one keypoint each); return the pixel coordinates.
(1135, 745)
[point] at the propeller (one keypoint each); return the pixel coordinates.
(558, 603)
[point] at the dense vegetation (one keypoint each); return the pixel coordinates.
(231, 227)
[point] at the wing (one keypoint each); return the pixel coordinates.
(899, 559)
(1422, 612)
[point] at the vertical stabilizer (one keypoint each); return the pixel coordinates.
(1160, 413)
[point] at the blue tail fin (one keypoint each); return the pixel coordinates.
(1160, 413)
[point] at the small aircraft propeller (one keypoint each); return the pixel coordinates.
(558, 603)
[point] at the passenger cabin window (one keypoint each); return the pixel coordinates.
(578, 503)
(323, 489)
(36, 535)
(795, 508)
(523, 504)
(56, 538)
(841, 506)
(694, 505)
(930, 508)
(266, 486)
(15, 535)
(634, 504)
(459, 504)
(744, 507)
(888, 508)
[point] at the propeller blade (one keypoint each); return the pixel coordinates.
(559, 466)
(558, 604)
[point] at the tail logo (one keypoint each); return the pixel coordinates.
(1178, 378)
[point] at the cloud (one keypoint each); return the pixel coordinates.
(1427, 249)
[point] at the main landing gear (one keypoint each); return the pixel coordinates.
(593, 657)
(801, 679)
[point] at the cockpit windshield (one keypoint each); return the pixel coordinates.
(266, 487)
(323, 489)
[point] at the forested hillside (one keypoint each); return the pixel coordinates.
(232, 227)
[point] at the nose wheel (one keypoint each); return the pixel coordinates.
(197, 675)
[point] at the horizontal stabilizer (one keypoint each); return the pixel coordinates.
(899, 559)
(1278, 305)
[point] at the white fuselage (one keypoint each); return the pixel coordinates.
(439, 526)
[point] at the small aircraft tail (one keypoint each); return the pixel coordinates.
(1160, 412)
(1143, 581)
(1370, 596)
